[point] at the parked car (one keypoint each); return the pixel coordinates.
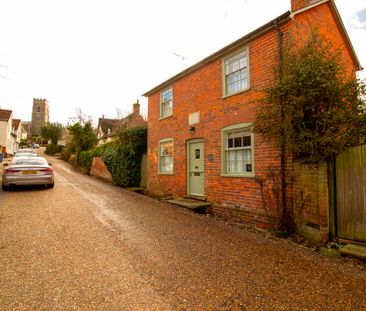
(25, 151)
(23, 154)
(35, 146)
(27, 171)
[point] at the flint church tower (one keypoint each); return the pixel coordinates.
(40, 115)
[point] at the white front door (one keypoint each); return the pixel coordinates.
(196, 173)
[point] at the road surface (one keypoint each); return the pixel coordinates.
(90, 245)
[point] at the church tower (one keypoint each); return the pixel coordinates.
(40, 115)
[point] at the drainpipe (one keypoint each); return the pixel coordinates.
(284, 214)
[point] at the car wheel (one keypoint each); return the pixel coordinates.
(5, 188)
(51, 185)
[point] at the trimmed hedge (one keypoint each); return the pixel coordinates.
(52, 149)
(122, 156)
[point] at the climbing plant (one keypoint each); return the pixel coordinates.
(314, 105)
(122, 156)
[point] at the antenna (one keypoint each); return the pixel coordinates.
(183, 58)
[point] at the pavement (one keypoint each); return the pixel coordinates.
(90, 245)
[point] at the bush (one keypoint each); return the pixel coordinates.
(84, 160)
(65, 154)
(52, 149)
(122, 157)
(315, 109)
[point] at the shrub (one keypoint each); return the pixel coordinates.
(84, 160)
(316, 109)
(123, 157)
(65, 154)
(52, 149)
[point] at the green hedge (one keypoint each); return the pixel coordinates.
(122, 157)
(51, 149)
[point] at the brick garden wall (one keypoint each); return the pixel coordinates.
(311, 200)
(99, 169)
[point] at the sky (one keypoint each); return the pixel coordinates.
(100, 56)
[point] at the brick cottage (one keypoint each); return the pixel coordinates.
(200, 122)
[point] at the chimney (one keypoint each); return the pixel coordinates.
(136, 108)
(299, 4)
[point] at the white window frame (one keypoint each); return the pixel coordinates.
(225, 149)
(161, 156)
(244, 67)
(164, 103)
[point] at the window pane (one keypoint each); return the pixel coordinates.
(230, 143)
(238, 142)
(246, 141)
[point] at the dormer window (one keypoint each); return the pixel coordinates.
(166, 103)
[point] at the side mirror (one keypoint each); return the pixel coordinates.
(49, 164)
(5, 164)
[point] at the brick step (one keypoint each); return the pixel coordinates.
(190, 203)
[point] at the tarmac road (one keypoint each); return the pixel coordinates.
(90, 245)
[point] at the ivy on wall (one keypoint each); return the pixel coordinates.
(122, 156)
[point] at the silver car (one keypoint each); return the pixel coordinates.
(24, 152)
(27, 171)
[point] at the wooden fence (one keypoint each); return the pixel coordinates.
(351, 194)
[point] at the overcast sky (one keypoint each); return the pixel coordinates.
(101, 55)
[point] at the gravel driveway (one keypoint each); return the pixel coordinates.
(89, 245)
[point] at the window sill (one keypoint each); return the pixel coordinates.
(170, 174)
(237, 93)
(247, 175)
(166, 117)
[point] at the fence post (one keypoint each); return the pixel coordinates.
(332, 197)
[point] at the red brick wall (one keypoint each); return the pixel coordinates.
(311, 200)
(99, 169)
(202, 91)
(299, 4)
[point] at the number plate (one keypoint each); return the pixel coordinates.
(29, 172)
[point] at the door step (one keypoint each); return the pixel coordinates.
(195, 197)
(354, 250)
(190, 203)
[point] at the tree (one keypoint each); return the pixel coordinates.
(52, 131)
(83, 137)
(315, 107)
(81, 117)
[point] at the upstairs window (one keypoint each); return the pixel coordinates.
(236, 73)
(166, 103)
(166, 156)
(238, 155)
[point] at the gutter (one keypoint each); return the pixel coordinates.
(284, 213)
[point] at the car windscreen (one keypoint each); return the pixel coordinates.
(24, 154)
(25, 151)
(30, 162)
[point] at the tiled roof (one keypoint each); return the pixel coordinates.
(5, 114)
